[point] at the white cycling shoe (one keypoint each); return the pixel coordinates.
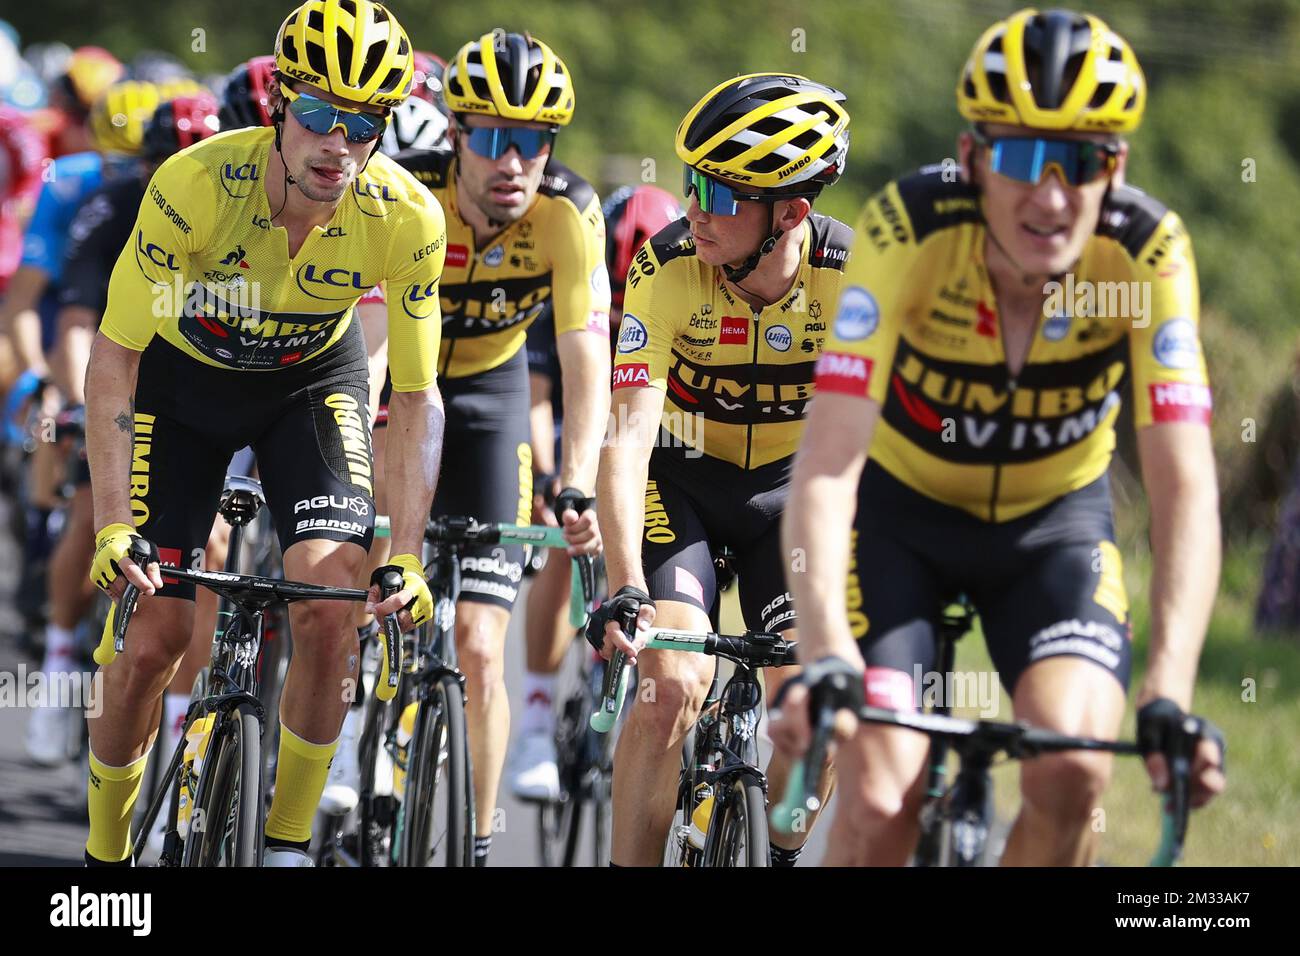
(534, 774)
(285, 856)
(49, 732)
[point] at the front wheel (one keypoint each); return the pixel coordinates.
(738, 830)
(226, 825)
(438, 825)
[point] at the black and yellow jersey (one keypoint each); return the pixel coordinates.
(207, 271)
(737, 380)
(917, 329)
(551, 258)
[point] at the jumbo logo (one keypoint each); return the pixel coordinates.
(319, 283)
(237, 180)
(420, 300)
(156, 255)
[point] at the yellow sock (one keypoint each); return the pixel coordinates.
(112, 792)
(299, 782)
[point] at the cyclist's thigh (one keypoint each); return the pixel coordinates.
(892, 596)
(487, 473)
(765, 603)
(315, 464)
(1066, 604)
(177, 472)
(676, 554)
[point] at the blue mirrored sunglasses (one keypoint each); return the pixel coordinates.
(1028, 159)
(493, 142)
(716, 198)
(322, 118)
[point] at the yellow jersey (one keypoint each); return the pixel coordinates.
(917, 329)
(207, 271)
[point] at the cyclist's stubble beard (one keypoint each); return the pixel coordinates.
(480, 177)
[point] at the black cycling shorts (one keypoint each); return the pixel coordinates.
(487, 472)
(1046, 584)
(306, 424)
(696, 506)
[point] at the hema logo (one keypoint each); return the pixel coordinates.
(75, 909)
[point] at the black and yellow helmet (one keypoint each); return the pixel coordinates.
(351, 48)
(776, 131)
(1057, 70)
(510, 75)
(118, 118)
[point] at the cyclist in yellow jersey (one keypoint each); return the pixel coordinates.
(229, 323)
(524, 236)
(723, 319)
(993, 320)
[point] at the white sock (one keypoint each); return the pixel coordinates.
(59, 643)
(539, 692)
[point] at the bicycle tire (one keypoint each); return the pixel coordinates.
(223, 794)
(375, 810)
(439, 769)
(742, 815)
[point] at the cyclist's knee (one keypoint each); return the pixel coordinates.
(1066, 786)
(322, 624)
(480, 637)
(155, 642)
(667, 703)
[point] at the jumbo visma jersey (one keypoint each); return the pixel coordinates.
(918, 330)
(551, 258)
(207, 271)
(737, 379)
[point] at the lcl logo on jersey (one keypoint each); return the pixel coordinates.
(156, 255)
(238, 179)
(332, 284)
(371, 198)
(420, 300)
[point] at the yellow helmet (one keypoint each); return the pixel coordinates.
(519, 78)
(777, 131)
(351, 48)
(91, 70)
(118, 118)
(1057, 71)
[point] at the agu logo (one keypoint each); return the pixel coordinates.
(238, 180)
(632, 335)
(420, 300)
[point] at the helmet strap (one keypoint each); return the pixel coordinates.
(737, 273)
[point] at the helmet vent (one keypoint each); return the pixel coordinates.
(349, 7)
(344, 43)
(316, 58)
(316, 21)
(1103, 93)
